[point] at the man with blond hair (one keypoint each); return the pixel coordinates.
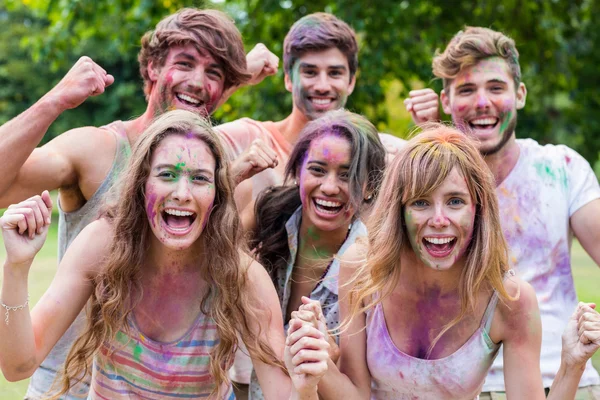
(193, 60)
(546, 194)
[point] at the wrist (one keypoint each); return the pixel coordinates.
(571, 368)
(51, 105)
(304, 394)
(17, 270)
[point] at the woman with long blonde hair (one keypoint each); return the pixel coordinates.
(169, 287)
(429, 299)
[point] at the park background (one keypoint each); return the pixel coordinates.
(558, 43)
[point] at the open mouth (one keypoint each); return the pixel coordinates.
(327, 207)
(321, 102)
(439, 247)
(189, 100)
(178, 221)
(487, 123)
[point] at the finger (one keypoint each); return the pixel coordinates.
(301, 347)
(38, 216)
(433, 105)
(408, 104)
(590, 337)
(316, 369)
(293, 327)
(299, 332)
(420, 92)
(11, 221)
(48, 202)
(422, 98)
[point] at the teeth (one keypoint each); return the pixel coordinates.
(439, 240)
(321, 102)
(188, 98)
(484, 121)
(178, 213)
(328, 203)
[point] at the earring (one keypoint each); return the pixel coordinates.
(295, 183)
(369, 197)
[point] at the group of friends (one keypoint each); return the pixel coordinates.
(312, 257)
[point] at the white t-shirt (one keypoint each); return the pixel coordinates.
(545, 188)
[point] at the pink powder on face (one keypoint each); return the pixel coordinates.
(150, 211)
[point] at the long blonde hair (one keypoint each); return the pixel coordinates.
(227, 301)
(421, 167)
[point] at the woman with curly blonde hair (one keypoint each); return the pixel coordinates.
(429, 299)
(170, 289)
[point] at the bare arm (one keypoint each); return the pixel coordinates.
(274, 382)
(29, 336)
(352, 380)
(586, 227)
(20, 136)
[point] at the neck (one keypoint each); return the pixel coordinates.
(161, 260)
(291, 126)
(503, 161)
(316, 244)
(417, 277)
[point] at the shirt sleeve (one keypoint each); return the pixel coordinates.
(583, 184)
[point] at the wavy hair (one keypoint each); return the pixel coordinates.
(209, 30)
(227, 301)
(469, 47)
(275, 205)
(421, 167)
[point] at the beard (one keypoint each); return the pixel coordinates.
(506, 135)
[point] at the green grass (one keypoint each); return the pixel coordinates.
(587, 281)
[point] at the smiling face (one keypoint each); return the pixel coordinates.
(323, 183)
(440, 226)
(483, 102)
(320, 81)
(189, 79)
(180, 190)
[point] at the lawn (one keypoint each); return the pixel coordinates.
(587, 282)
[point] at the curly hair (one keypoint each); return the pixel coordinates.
(227, 301)
(208, 30)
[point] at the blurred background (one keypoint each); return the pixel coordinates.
(558, 42)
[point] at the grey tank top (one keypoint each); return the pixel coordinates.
(459, 376)
(69, 226)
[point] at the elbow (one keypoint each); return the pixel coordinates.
(15, 373)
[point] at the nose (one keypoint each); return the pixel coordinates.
(330, 184)
(483, 102)
(439, 219)
(322, 84)
(181, 192)
(198, 78)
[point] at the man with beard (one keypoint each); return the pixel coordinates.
(320, 59)
(546, 193)
(193, 60)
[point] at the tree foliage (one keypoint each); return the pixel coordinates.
(556, 41)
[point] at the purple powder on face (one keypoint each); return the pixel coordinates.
(151, 201)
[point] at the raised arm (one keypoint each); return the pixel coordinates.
(423, 105)
(27, 338)
(20, 136)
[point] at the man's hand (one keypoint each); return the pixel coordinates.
(423, 105)
(84, 79)
(258, 157)
(261, 63)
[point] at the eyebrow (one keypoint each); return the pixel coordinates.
(191, 57)
(323, 163)
(195, 171)
(307, 65)
(456, 193)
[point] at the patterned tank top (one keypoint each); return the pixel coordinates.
(142, 368)
(459, 376)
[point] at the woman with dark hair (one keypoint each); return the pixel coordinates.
(170, 288)
(428, 299)
(332, 174)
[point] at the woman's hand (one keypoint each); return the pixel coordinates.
(310, 312)
(581, 338)
(24, 228)
(305, 357)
